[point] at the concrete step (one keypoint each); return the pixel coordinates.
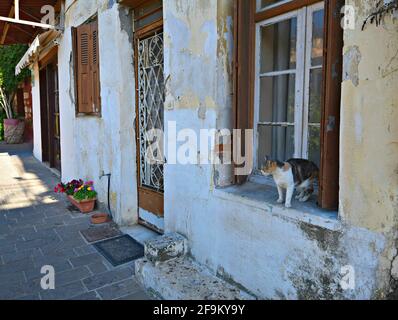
(183, 279)
(165, 248)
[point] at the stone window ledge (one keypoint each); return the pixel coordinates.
(263, 196)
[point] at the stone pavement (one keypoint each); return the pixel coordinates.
(36, 229)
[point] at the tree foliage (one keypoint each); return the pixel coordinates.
(9, 58)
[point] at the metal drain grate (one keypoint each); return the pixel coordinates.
(120, 250)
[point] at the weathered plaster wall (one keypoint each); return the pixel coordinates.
(267, 253)
(92, 146)
(369, 130)
(37, 148)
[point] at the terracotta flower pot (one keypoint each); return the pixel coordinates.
(99, 218)
(85, 206)
(14, 131)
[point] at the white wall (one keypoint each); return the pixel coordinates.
(37, 151)
(95, 145)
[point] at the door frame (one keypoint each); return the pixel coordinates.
(148, 200)
(48, 72)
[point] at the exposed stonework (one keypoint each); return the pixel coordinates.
(168, 247)
(394, 270)
(183, 279)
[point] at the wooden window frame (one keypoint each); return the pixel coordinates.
(244, 94)
(74, 30)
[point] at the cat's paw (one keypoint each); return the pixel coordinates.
(280, 201)
(288, 205)
(305, 199)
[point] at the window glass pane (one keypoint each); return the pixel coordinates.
(317, 38)
(316, 81)
(147, 14)
(277, 95)
(314, 144)
(266, 3)
(315, 101)
(278, 46)
(275, 142)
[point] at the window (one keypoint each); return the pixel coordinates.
(87, 77)
(289, 63)
(288, 83)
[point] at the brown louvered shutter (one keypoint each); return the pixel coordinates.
(84, 86)
(243, 78)
(95, 68)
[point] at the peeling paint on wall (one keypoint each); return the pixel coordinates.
(351, 61)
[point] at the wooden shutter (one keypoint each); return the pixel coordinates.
(95, 68)
(84, 78)
(330, 127)
(86, 48)
(243, 75)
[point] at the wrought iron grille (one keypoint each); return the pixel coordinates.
(151, 92)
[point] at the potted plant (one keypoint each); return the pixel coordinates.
(9, 57)
(81, 194)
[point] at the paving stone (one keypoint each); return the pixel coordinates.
(84, 250)
(141, 295)
(64, 292)
(20, 255)
(85, 260)
(38, 242)
(60, 265)
(10, 278)
(32, 297)
(118, 290)
(107, 278)
(72, 275)
(16, 266)
(97, 267)
(89, 296)
(49, 234)
(9, 248)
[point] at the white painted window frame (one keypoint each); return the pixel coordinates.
(302, 73)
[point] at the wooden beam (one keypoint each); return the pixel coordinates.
(7, 26)
(28, 23)
(58, 6)
(30, 15)
(133, 3)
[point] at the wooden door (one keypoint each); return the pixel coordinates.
(54, 119)
(50, 120)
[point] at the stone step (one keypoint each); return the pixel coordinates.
(165, 248)
(183, 279)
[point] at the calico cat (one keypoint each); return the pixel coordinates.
(293, 174)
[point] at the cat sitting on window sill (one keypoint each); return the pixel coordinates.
(294, 174)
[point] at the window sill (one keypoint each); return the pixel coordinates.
(263, 196)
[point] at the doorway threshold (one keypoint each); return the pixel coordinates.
(53, 170)
(140, 233)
